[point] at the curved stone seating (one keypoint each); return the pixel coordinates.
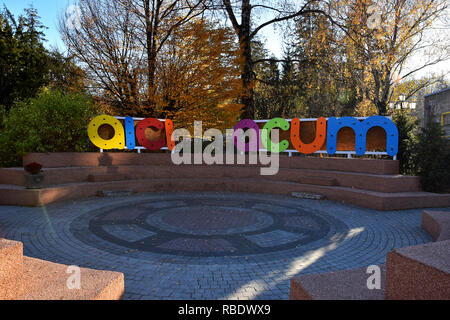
(437, 224)
(339, 285)
(24, 278)
(11, 266)
(419, 272)
(369, 183)
(412, 273)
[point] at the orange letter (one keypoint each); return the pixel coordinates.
(169, 131)
(321, 133)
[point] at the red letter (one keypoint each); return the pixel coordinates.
(140, 134)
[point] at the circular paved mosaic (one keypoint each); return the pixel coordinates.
(210, 245)
(203, 227)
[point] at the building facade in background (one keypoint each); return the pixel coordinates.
(437, 109)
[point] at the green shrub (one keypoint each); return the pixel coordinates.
(432, 159)
(52, 122)
(406, 126)
(2, 116)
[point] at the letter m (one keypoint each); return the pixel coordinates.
(361, 129)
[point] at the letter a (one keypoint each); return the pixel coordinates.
(74, 281)
(374, 281)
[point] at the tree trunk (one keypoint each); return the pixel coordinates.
(152, 22)
(247, 81)
(247, 70)
(381, 106)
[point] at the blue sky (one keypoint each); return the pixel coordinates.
(48, 10)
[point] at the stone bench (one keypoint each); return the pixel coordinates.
(419, 272)
(339, 285)
(11, 269)
(436, 224)
(24, 278)
(413, 273)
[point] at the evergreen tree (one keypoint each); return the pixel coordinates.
(23, 58)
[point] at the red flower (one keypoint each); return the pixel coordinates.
(33, 168)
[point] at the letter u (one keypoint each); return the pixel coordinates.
(319, 140)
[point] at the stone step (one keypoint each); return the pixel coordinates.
(320, 181)
(419, 272)
(91, 159)
(106, 177)
(48, 281)
(339, 285)
(24, 278)
(115, 193)
(365, 181)
(436, 224)
(11, 269)
(375, 200)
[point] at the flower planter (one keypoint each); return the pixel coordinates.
(34, 181)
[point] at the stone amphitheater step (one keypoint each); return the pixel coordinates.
(419, 272)
(436, 224)
(339, 285)
(320, 181)
(366, 181)
(15, 195)
(11, 269)
(24, 278)
(48, 281)
(55, 160)
(105, 177)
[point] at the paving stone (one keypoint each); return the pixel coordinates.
(275, 238)
(130, 233)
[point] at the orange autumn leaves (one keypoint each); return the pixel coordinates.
(198, 77)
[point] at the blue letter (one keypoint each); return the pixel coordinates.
(129, 133)
(361, 129)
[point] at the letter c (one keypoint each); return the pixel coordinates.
(142, 139)
(265, 135)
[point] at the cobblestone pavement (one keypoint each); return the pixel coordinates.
(210, 245)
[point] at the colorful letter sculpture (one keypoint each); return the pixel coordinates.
(117, 142)
(361, 129)
(265, 136)
(319, 141)
(140, 133)
(129, 133)
(253, 144)
(168, 124)
(326, 132)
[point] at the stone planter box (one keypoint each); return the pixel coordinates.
(34, 181)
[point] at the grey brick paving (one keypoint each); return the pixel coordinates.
(130, 233)
(337, 237)
(275, 238)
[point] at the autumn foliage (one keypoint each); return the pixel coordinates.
(199, 77)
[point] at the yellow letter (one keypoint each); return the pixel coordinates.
(117, 142)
